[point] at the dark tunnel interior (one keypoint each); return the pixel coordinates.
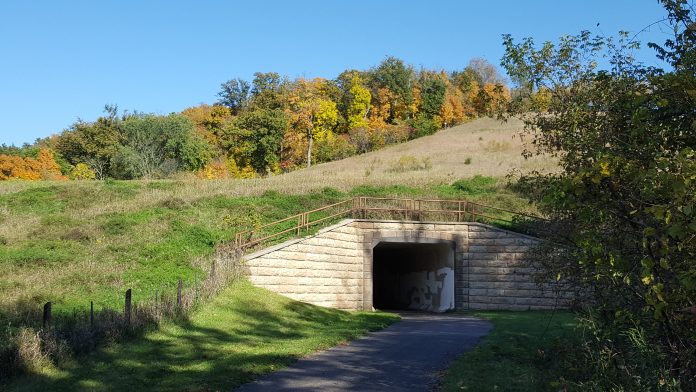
(413, 276)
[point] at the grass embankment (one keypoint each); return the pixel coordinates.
(72, 243)
(243, 333)
(523, 353)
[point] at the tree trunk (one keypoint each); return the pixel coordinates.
(310, 142)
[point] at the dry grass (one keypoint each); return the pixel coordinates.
(87, 205)
(494, 149)
(481, 147)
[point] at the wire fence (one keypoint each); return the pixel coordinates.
(82, 330)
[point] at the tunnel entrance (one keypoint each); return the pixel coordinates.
(415, 276)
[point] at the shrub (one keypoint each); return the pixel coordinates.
(476, 185)
(423, 126)
(496, 146)
(410, 163)
(82, 172)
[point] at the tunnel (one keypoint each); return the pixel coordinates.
(413, 276)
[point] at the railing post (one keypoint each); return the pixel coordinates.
(179, 289)
(128, 307)
(459, 211)
(47, 315)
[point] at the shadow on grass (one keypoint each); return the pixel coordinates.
(244, 333)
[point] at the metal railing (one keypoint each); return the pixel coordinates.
(387, 208)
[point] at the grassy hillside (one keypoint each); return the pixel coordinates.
(75, 242)
(481, 147)
(243, 333)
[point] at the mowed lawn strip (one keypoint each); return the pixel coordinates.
(242, 333)
(518, 355)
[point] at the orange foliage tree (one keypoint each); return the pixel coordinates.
(43, 167)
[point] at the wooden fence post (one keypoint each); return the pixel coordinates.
(91, 314)
(128, 307)
(47, 315)
(179, 288)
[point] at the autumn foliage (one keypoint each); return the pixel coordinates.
(268, 125)
(43, 167)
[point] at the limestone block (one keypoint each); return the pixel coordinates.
(477, 248)
(285, 254)
(487, 234)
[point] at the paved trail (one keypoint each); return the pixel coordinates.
(406, 356)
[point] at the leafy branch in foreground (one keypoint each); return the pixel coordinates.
(625, 201)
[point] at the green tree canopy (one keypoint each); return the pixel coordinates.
(256, 136)
(158, 146)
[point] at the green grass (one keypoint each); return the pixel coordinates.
(520, 354)
(243, 333)
(89, 241)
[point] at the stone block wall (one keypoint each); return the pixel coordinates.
(334, 267)
(325, 269)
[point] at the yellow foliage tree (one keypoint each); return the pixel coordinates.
(452, 111)
(358, 104)
(310, 112)
(209, 121)
(82, 172)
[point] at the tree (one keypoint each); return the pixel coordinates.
(158, 146)
(43, 167)
(624, 203)
(311, 112)
(235, 95)
(432, 93)
(267, 91)
(491, 99)
(257, 138)
(82, 172)
(394, 76)
(452, 110)
(484, 72)
(94, 143)
(210, 122)
(358, 99)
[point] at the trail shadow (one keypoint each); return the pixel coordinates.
(209, 351)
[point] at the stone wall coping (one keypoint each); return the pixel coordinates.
(287, 243)
(483, 225)
(346, 222)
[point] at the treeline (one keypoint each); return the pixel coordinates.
(268, 125)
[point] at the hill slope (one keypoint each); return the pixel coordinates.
(72, 242)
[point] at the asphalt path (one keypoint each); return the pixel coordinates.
(406, 356)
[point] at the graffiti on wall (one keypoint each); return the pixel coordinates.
(428, 290)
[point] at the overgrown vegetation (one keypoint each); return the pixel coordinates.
(521, 354)
(241, 334)
(624, 202)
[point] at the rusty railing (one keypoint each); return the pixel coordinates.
(386, 208)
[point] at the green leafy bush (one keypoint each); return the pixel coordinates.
(476, 185)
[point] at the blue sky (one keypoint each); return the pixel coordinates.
(63, 60)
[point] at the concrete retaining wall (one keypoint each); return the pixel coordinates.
(334, 267)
